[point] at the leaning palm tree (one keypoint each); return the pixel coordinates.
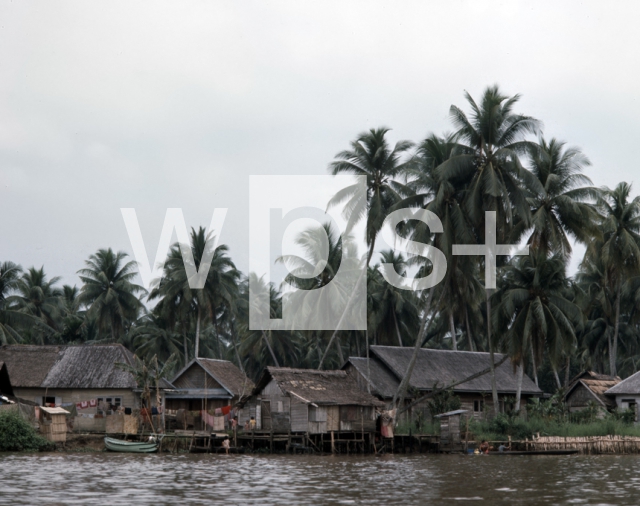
(109, 292)
(534, 312)
(488, 172)
(563, 208)
(620, 249)
(372, 157)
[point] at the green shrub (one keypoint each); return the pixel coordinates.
(17, 435)
(443, 402)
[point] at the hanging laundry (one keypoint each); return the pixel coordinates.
(93, 403)
(225, 410)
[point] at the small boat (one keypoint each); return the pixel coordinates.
(117, 445)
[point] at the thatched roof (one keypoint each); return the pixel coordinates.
(68, 366)
(597, 384)
(317, 387)
(383, 383)
(28, 365)
(445, 367)
(228, 375)
(630, 386)
(225, 373)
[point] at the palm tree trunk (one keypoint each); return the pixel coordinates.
(358, 344)
(494, 389)
(339, 347)
(235, 345)
(398, 398)
(273, 355)
(567, 372)
(613, 356)
(469, 336)
(533, 364)
(363, 275)
(395, 320)
(555, 374)
(452, 329)
(186, 348)
(197, 350)
(520, 376)
(218, 339)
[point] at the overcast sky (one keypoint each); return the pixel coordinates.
(156, 105)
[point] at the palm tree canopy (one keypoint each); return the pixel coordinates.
(109, 291)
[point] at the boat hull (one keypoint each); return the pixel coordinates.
(117, 445)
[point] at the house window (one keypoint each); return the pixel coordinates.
(478, 406)
(109, 405)
(48, 401)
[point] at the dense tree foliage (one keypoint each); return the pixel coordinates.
(496, 159)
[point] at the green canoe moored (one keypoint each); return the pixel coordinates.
(117, 445)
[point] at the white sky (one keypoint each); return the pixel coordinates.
(154, 105)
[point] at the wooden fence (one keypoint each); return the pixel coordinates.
(593, 445)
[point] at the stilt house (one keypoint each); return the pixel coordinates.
(310, 401)
(205, 383)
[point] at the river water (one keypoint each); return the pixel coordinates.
(106, 478)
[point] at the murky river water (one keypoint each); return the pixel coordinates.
(246, 479)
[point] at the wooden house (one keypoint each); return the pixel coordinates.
(627, 393)
(437, 369)
(53, 423)
(589, 388)
(206, 384)
(310, 401)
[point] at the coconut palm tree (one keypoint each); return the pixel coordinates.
(180, 301)
(562, 209)
(11, 320)
(370, 156)
(620, 249)
(393, 312)
(486, 168)
(109, 292)
(152, 336)
(534, 311)
(39, 298)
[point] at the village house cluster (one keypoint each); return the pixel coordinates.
(85, 389)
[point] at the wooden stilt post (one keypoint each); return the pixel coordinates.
(333, 445)
(271, 441)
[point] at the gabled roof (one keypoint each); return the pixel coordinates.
(317, 387)
(445, 367)
(226, 373)
(83, 366)
(597, 384)
(629, 386)
(383, 383)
